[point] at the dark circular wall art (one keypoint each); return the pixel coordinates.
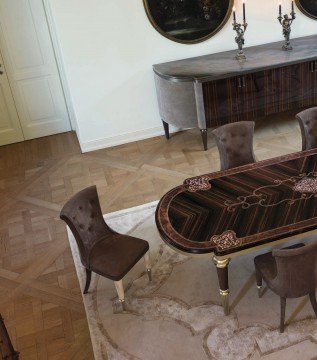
(308, 7)
(188, 21)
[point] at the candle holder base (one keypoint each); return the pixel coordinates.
(240, 56)
(287, 47)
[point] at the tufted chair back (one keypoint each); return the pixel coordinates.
(82, 213)
(308, 125)
(296, 271)
(235, 144)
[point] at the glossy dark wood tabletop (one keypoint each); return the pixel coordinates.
(225, 212)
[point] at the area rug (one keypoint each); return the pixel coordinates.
(178, 315)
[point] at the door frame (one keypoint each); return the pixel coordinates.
(60, 64)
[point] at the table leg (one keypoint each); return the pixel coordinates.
(222, 271)
(205, 139)
(166, 129)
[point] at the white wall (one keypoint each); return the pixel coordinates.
(109, 47)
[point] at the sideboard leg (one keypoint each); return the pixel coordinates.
(222, 271)
(204, 136)
(166, 129)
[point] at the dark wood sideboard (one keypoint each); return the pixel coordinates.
(216, 89)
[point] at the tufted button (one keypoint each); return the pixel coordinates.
(89, 228)
(81, 226)
(74, 217)
(80, 207)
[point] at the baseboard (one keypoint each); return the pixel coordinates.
(124, 138)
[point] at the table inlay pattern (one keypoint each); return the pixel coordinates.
(198, 183)
(226, 240)
(307, 185)
(238, 208)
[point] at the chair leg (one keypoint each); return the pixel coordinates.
(258, 277)
(148, 265)
(88, 278)
(120, 291)
(283, 305)
(312, 297)
(119, 305)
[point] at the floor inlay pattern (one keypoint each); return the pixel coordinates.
(40, 295)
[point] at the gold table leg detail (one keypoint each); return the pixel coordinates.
(260, 287)
(221, 263)
(225, 301)
(222, 271)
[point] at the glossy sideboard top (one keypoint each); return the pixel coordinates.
(223, 65)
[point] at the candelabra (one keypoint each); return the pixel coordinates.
(240, 29)
(286, 23)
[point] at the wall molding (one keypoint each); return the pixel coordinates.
(60, 63)
(98, 144)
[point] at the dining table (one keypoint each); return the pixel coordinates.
(228, 213)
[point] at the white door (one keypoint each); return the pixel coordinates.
(10, 129)
(31, 66)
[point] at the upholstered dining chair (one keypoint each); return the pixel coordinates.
(102, 250)
(235, 144)
(308, 125)
(290, 273)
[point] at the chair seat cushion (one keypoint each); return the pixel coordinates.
(266, 263)
(115, 255)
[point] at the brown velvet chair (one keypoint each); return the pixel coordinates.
(290, 273)
(101, 249)
(308, 125)
(235, 144)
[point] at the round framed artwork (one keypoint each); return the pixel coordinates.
(188, 21)
(308, 7)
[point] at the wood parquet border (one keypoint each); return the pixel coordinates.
(40, 297)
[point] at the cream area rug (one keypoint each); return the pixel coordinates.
(178, 316)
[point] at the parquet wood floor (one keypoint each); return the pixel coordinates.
(40, 297)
